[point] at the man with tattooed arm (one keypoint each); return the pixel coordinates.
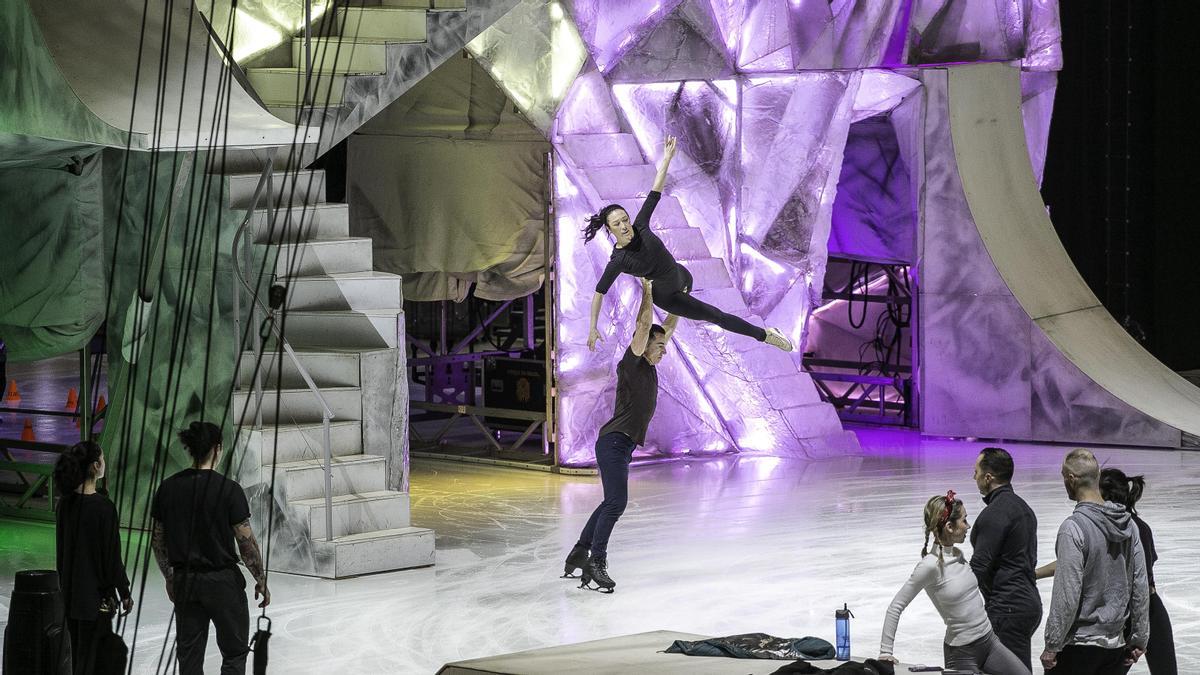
(199, 518)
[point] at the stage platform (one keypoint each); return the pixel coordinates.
(641, 653)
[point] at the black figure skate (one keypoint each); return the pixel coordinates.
(596, 571)
(576, 559)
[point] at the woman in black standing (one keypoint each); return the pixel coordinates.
(1115, 486)
(639, 252)
(90, 569)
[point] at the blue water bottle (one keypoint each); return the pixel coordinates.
(842, 619)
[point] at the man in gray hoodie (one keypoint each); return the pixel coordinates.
(1100, 582)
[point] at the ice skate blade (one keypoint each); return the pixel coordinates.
(569, 575)
(586, 584)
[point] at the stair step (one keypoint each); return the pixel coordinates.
(789, 390)
(668, 215)
(435, 5)
(302, 222)
(285, 86)
(345, 291)
(384, 23)
(332, 368)
(617, 183)
(299, 405)
(311, 116)
(290, 187)
(811, 421)
(342, 55)
(685, 243)
(708, 273)
(596, 150)
(765, 362)
(368, 329)
(355, 513)
(729, 300)
(305, 479)
(303, 441)
(323, 256)
(380, 551)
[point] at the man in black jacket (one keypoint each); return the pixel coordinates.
(1004, 540)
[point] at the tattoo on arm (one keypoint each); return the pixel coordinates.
(248, 545)
(158, 543)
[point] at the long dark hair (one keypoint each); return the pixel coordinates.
(74, 466)
(1115, 486)
(200, 438)
(598, 221)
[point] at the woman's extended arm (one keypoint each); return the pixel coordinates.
(917, 582)
(593, 334)
(668, 154)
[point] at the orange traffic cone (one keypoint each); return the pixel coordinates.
(72, 399)
(27, 433)
(13, 396)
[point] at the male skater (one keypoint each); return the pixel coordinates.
(1004, 541)
(637, 394)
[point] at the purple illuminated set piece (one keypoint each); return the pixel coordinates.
(778, 105)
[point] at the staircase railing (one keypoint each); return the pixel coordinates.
(266, 181)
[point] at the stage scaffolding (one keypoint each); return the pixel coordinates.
(877, 387)
(464, 357)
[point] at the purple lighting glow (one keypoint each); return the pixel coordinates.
(761, 96)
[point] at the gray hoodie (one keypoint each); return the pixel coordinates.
(1100, 581)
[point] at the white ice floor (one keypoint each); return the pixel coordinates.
(747, 544)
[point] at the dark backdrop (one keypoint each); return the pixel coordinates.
(1121, 179)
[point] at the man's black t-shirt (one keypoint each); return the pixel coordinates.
(646, 256)
(198, 509)
(637, 395)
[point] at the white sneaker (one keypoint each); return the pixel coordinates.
(777, 339)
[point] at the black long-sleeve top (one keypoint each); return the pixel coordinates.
(1004, 540)
(1147, 538)
(89, 554)
(646, 256)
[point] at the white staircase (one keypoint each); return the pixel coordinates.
(354, 48)
(344, 322)
(757, 389)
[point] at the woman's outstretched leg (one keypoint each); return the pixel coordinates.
(685, 305)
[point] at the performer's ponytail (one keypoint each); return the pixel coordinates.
(1115, 486)
(598, 221)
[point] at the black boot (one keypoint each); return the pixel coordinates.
(596, 571)
(576, 559)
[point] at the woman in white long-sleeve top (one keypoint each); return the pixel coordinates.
(946, 577)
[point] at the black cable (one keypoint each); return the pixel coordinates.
(857, 271)
(192, 233)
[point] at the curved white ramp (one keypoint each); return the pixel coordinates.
(984, 106)
(96, 47)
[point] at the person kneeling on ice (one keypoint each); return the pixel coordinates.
(637, 395)
(947, 579)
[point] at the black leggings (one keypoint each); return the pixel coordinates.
(674, 296)
(1160, 653)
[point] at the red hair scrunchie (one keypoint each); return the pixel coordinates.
(948, 510)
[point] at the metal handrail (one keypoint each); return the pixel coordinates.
(266, 180)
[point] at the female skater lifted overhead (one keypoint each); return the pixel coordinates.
(638, 251)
